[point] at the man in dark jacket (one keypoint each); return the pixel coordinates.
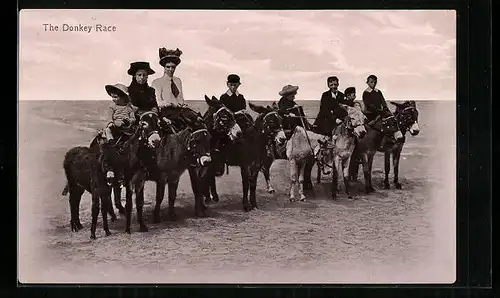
(232, 99)
(330, 113)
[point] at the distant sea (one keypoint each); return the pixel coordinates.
(435, 117)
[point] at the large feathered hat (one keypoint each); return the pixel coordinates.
(169, 56)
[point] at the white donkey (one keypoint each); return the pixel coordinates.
(301, 147)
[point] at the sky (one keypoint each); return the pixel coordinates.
(413, 53)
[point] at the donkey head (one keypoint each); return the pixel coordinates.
(221, 119)
(270, 122)
(150, 126)
(355, 120)
(407, 116)
(198, 146)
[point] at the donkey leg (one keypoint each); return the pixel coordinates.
(370, 164)
(293, 179)
(75, 196)
(213, 189)
(246, 184)
(387, 168)
(160, 193)
(172, 196)
(95, 213)
(266, 171)
(139, 204)
(117, 193)
(395, 162)
(309, 163)
(128, 207)
(345, 172)
(253, 187)
(301, 170)
(366, 173)
(198, 189)
(105, 206)
(336, 171)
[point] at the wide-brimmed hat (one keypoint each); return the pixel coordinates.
(169, 56)
(120, 89)
(288, 89)
(135, 66)
(233, 78)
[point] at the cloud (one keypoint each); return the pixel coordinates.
(267, 48)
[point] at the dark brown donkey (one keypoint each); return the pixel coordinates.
(406, 115)
(89, 170)
(184, 145)
(133, 150)
(366, 147)
(247, 151)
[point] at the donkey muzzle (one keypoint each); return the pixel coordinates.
(110, 177)
(204, 160)
(414, 129)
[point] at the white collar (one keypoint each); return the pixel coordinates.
(370, 89)
(333, 93)
(230, 93)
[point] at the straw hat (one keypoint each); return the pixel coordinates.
(135, 66)
(120, 89)
(288, 89)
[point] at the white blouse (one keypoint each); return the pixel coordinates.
(163, 90)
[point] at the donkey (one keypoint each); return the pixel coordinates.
(367, 146)
(178, 151)
(133, 150)
(406, 115)
(300, 148)
(89, 170)
(249, 149)
(345, 136)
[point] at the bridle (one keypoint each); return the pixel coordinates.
(401, 122)
(197, 157)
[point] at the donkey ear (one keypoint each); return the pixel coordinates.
(207, 99)
(256, 108)
(214, 98)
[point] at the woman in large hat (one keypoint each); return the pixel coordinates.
(168, 88)
(142, 95)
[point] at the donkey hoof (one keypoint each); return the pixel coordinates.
(127, 230)
(247, 208)
(215, 199)
(143, 228)
(334, 198)
(254, 207)
(113, 218)
(350, 198)
(93, 237)
(208, 200)
(398, 185)
(387, 185)
(108, 233)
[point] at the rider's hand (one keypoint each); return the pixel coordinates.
(118, 123)
(292, 115)
(338, 121)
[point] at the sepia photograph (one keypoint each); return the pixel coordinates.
(237, 146)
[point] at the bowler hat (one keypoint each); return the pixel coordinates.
(135, 66)
(233, 78)
(169, 56)
(119, 89)
(288, 89)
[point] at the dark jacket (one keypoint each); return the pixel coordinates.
(329, 111)
(233, 102)
(142, 96)
(285, 107)
(375, 104)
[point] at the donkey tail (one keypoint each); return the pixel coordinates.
(65, 190)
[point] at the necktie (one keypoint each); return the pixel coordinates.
(175, 90)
